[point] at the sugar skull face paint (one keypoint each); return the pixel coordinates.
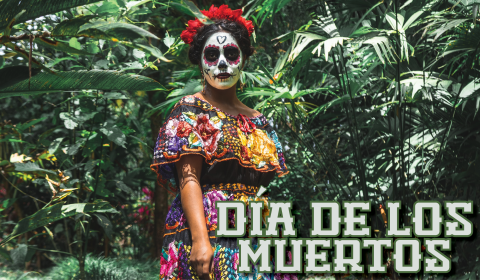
(221, 60)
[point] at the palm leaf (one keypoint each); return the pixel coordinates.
(35, 8)
(118, 30)
(14, 74)
(76, 80)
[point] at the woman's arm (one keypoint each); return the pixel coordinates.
(201, 257)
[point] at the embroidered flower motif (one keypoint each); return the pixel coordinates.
(169, 262)
(171, 127)
(189, 99)
(235, 261)
(190, 117)
(221, 115)
(207, 132)
(194, 141)
(183, 129)
(263, 149)
(209, 205)
(217, 122)
(175, 144)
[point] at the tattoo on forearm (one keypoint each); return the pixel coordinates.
(185, 181)
(188, 175)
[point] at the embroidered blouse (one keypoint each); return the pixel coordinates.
(236, 149)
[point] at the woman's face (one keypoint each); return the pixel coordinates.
(221, 60)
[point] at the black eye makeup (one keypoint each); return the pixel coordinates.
(231, 53)
(211, 54)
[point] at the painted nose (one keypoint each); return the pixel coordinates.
(222, 65)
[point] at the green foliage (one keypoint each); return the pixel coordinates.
(373, 101)
(59, 211)
(73, 80)
(97, 268)
(35, 8)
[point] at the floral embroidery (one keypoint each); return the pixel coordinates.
(221, 115)
(195, 126)
(207, 132)
(169, 262)
(262, 147)
(175, 258)
(183, 129)
(189, 99)
(209, 206)
(175, 144)
(171, 127)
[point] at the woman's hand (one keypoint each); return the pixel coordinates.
(201, 257)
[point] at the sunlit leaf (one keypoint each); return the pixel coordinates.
(54, 213)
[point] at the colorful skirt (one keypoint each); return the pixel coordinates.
(177, 244)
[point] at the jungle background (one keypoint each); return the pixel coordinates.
(372, 101)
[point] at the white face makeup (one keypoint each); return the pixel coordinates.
(221, 60)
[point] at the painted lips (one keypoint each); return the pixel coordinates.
(223, 76)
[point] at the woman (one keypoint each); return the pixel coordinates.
(216, 148)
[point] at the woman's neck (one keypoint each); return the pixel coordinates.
(227, 97)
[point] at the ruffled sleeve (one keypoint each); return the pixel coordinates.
(196, 127)
(189, 129)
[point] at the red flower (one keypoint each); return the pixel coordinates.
(183, 129)
(208, 134)
(222, 12)
(193, 26)
(144, 209)
(150, 195)
(204, 128)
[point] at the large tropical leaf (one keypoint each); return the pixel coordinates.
(54, 213)
(14, 74)
(76, 80)
(119, 30)
(35, 8)
(71, 27)
(60, 46)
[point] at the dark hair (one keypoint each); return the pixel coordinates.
(238, 31)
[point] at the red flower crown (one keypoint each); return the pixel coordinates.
(222, 12)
